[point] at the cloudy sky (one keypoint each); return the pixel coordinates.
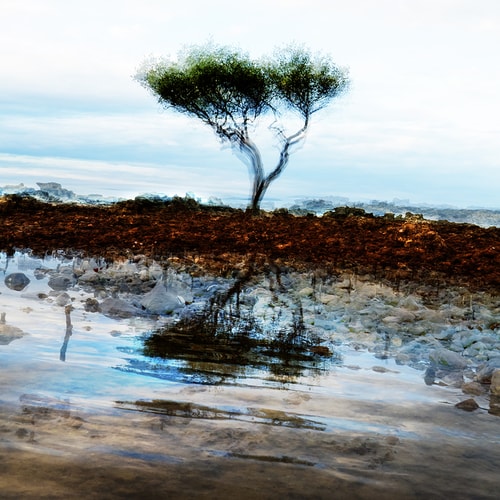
(421, 120)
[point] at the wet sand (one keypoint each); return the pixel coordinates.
(437, 452)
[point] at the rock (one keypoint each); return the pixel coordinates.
(399, 315)
(467, 405)
(429, 376)
(495, 383)
(409, 303)
(328, 299)
(494, 405)
(90, 276)
(61, 282)
(485, 371)
(453, 378)
(160, 301)
(63, 299)
(446, 359)
(55, 189)
(118, 308)
(473, 388)
(17, 281)
(92, 305)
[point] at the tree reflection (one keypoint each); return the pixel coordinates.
(221, 344)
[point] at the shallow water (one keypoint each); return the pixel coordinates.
(84, 412)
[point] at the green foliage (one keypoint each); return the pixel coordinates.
(218, 85)
(305, 82)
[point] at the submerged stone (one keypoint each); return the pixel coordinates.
(485, 371)
(8, 333)
(473, 388)
(61, 282)
(118, 308)
(17, 281)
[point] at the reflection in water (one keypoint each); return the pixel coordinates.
(224, 342)
(371, 425)
(8, 333)
(220, 346)
(196, 411)
(69, 332)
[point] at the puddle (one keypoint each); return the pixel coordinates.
(166, 411)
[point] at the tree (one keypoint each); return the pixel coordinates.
(228, 91)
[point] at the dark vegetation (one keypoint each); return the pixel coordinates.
(401, 251)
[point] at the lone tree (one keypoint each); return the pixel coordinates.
(228, 91)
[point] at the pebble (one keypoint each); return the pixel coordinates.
(467, 405)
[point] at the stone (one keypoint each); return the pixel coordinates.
(495, 383)
(60, 282)
(494, 405)
(92, 305)
(17, 281)
(8, 333)
(467, 405)
(485, 371)
(447, 359)
(160, 301)
(473, 388)
(63, 299)
(118, 308)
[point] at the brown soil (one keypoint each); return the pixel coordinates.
(401, 251)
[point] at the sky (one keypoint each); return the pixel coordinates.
(420, 121)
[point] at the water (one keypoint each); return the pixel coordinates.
(83, 411)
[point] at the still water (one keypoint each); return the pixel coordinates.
(84, 412)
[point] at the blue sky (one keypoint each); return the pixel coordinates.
(420, 122)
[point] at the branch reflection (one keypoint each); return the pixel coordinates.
(69, 332)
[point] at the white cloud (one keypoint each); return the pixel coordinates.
(423, 95)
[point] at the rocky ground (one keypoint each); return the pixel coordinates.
(404, 251)
(432, 284)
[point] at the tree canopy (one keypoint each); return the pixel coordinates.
(227, 90)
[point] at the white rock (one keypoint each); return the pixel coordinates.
(159, 301)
